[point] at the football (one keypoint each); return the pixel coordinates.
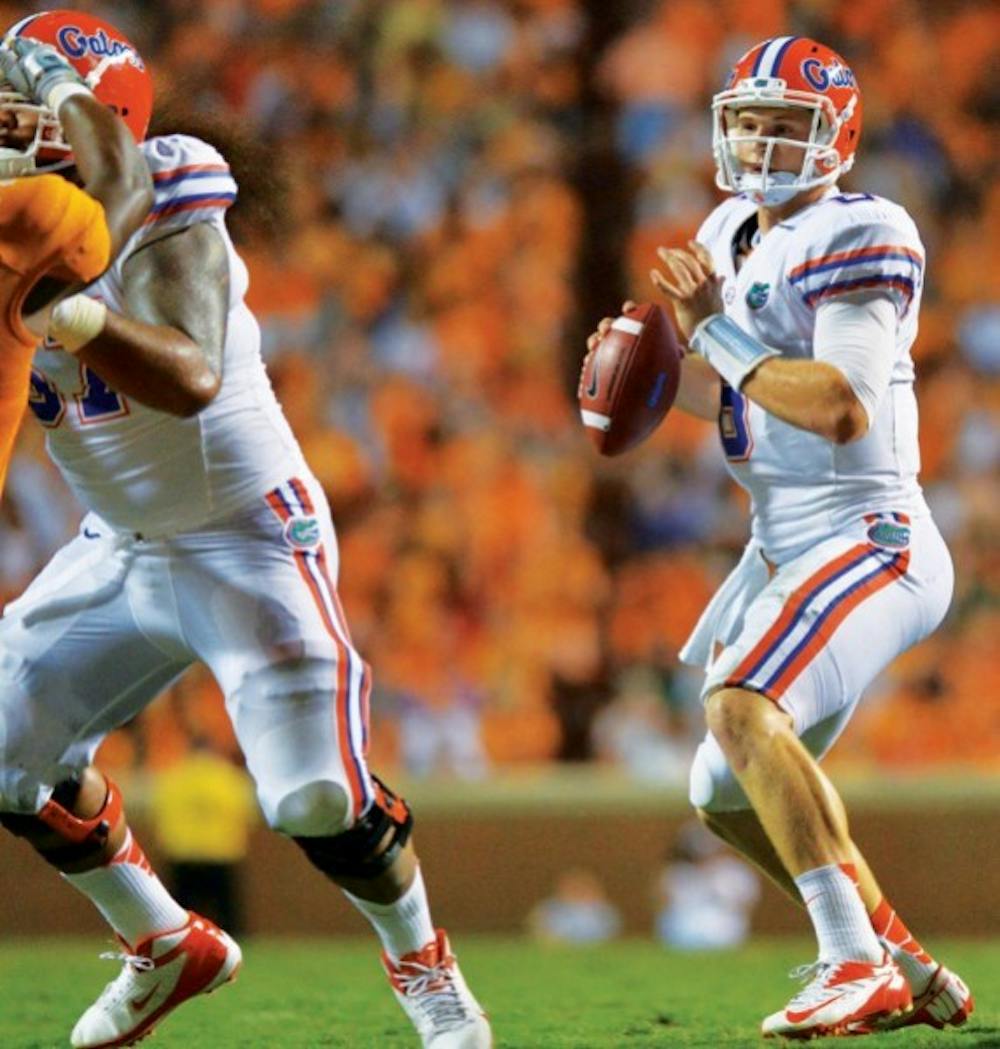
(629, 381)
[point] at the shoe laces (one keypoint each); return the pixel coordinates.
(813, 977)
(433, 989)
(123, 984)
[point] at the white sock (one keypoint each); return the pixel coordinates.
(918, 973)
(404, 926)
(842, 925)
(130, 896)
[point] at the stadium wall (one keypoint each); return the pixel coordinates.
(488, 862)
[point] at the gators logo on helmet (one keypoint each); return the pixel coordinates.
(790, 72)
(111, 67)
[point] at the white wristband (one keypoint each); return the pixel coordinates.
(76, 321)
(729, 349)
(63, 90)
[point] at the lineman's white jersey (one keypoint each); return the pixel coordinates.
(147, 471)
(803, 487)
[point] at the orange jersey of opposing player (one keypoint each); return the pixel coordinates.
(48, 227)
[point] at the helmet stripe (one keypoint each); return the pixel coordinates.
(18, 27)
(776, 65)
(760, 55)
(773, 52)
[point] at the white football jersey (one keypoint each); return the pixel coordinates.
(144, 470)
(803, 487)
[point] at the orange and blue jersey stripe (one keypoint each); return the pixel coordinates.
(351, 702)
(837, 259)
(191, 187)
(813, 612)
(172, 176)
(857, 269)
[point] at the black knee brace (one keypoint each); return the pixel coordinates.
(371, 846)
(78, 838)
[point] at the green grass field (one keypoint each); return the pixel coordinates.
(633, 995)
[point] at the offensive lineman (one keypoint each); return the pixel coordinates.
(206, 539)
(804, 301)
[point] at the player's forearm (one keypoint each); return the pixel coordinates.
(812, 395)
(157, 365)
(110, 165)
(698, 391)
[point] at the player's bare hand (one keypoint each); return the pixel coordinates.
(691, 284)
(603, 327)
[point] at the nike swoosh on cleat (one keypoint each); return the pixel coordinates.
(138, 1004)
(796, 1018)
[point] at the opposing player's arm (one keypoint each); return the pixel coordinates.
(165, 351)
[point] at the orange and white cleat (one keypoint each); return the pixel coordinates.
(946, 1002)
(429, 986)
(160, 974)
(840, 997)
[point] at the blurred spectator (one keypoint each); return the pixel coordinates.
(203, 809)
(705, 894)
(577, 912)
(645, 730)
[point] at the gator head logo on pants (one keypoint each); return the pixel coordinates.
(893, 536)
(302, 533)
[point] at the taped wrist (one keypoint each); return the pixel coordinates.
(76, 321)
(371, 846)
(729, 349)
(48, 73)
(64, 89)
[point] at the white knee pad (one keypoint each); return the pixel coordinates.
(713, 787)
(287, 725)
(318, 809)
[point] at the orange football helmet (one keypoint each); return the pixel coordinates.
(110, 66)
(788, 72)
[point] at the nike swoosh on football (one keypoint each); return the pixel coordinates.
(799, 1017)
(592, 388)
(138, 1004)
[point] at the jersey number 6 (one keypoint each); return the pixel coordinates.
(734, 425)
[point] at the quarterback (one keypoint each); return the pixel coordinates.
(206, 538)
(799, 304)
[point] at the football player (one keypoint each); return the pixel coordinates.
(51, 232)
(206, 538)
(799, 303)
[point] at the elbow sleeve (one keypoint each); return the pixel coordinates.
(858, 337)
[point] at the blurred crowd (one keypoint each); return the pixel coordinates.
(441, 247)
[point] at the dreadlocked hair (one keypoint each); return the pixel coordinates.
(263, 182)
